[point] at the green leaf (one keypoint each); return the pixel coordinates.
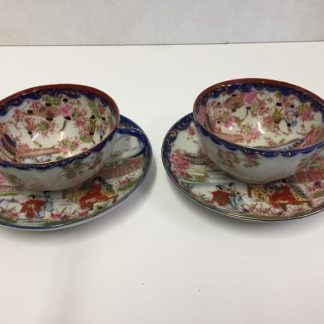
(85, 139)
(52, 100)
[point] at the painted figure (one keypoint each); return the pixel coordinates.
(280, 194)
(47, 207)
(227, 196)
(32, 207)
(100, 192)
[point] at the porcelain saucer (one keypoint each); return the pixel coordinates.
(31, 210)
(194, 174)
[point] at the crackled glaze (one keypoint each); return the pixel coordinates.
(261, 116)
(193, 172)
(39, 210)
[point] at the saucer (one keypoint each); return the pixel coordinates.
(31, 210)
(194, 174)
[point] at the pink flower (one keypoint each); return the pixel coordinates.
(80, 121)
(34, 104)
(263, 109)
(65, 149)
(249, 98)
(178, 161)
(307, 115)
(229, 121)
(84, 132)
(252, 135)
(66, 110)
(268, 121)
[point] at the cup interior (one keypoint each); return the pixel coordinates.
(51, 123)
(260, 113)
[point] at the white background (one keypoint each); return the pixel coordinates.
(159, 258)
(31, 22)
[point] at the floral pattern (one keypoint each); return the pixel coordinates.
(294, 197)
(39, 210)
(53, 127)
(251, 118)
(78, 167)
(228, 158)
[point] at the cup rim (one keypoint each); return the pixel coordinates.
(253, 150)
(59, 86)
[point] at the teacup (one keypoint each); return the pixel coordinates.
(55, 137)
(259, 130)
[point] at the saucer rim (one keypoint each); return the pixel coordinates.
(148, 157)
(231, 214)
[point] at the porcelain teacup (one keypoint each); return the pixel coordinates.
(259, 130)
(54, 137)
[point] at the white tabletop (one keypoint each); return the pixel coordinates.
(160, 258)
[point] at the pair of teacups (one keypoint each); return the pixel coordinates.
(257, 130)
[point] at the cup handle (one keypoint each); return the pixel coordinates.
(122, 133)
